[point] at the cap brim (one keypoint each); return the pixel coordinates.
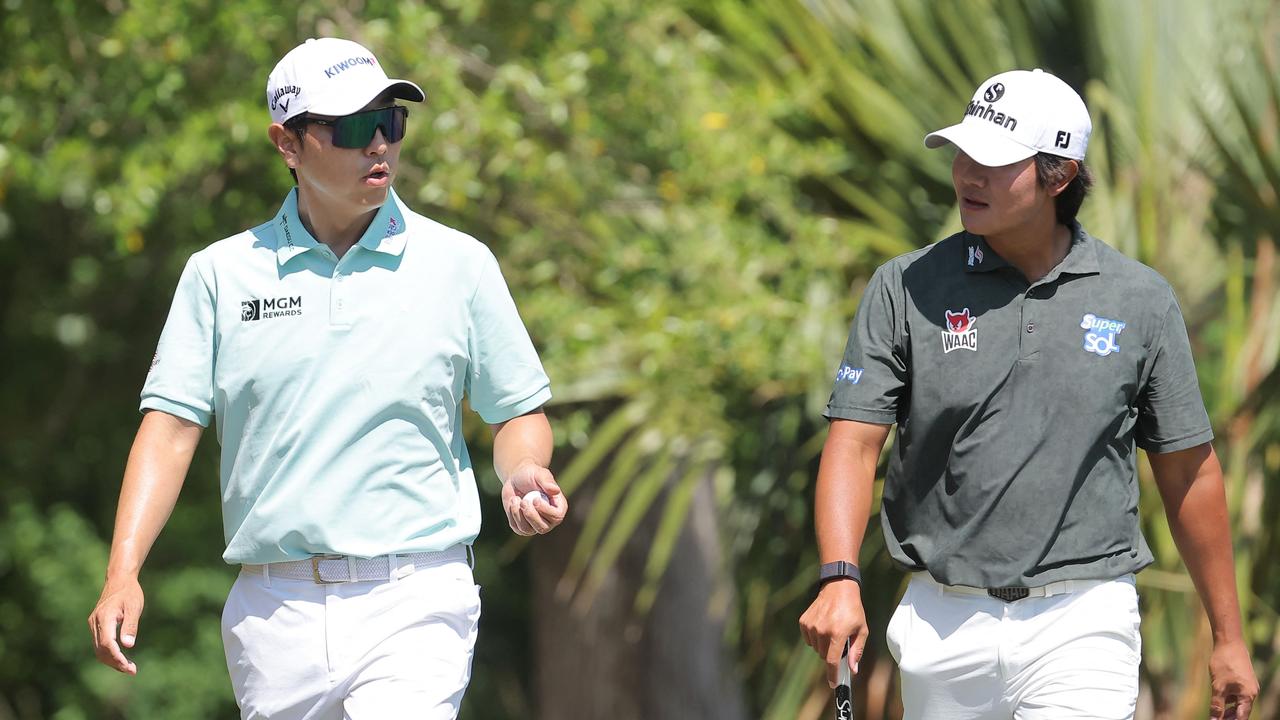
(400, 89)
(987, 146)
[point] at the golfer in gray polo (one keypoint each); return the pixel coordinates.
(1023, 362)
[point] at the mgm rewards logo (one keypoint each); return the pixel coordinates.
(264, 309)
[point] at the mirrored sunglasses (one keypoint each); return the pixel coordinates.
(356, 130)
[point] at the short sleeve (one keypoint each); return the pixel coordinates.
(1171, 413)
(181, 378)
(873, 375)
(506, 378)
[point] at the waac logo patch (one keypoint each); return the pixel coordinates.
(960, 333)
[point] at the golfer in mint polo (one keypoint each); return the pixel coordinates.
(1024, 362)
(333, 346)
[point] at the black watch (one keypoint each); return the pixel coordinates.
(837, 570)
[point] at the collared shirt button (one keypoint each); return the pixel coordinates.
(1031, 327)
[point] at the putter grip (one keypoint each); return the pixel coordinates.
(844, 687)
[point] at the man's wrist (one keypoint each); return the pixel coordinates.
(527, 460)
(1227, 637)
(124, 562)
(117, 576)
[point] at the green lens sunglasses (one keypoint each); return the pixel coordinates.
(356, 130)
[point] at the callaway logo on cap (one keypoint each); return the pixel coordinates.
(1017, 114)
(330, 76)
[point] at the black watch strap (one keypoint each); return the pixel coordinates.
(838, 569)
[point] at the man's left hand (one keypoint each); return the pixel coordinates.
(533, 501)
(1235, 686)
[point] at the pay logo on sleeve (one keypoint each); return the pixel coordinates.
(849, 375)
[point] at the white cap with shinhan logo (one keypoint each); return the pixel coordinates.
(1017, 114)
(330, 76)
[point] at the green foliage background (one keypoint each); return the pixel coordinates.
(686, 198)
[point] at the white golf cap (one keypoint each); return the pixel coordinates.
(1017, 114)
(330, 76)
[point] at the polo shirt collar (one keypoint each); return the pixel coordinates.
(385, 234)
(292, 237)
(1081, 259)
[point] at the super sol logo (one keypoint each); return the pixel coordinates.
(1102, 335)
(961, 333)
(251, 310)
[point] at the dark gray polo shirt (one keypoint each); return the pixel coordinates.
(1018, 408)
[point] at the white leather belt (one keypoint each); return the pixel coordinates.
(328, 569)
(1012, 594)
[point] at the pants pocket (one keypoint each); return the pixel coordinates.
(1133, 617)
(899, 622)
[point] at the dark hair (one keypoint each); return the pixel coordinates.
(298, 126)
(1051, 170)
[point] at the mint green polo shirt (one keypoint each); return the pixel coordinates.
(337, 385)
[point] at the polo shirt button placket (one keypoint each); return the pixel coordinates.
(1028, 341)
(337, 310)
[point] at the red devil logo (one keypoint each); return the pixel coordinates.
(959, 322)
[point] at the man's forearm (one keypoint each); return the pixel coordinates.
(153, 477)
(1191, 486)
(846, 477)
(523, 439)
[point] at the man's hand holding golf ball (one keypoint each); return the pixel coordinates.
(521, 453)
(533, 500)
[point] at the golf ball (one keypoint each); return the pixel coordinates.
(535, 494)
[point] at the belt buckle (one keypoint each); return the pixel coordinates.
(1009, 594)
(315, 569)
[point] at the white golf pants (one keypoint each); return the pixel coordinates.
(382, 649)
(974, 657)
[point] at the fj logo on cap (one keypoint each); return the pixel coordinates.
(1102, 336)
(960, 333)
(251, 310)
(994, 92)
